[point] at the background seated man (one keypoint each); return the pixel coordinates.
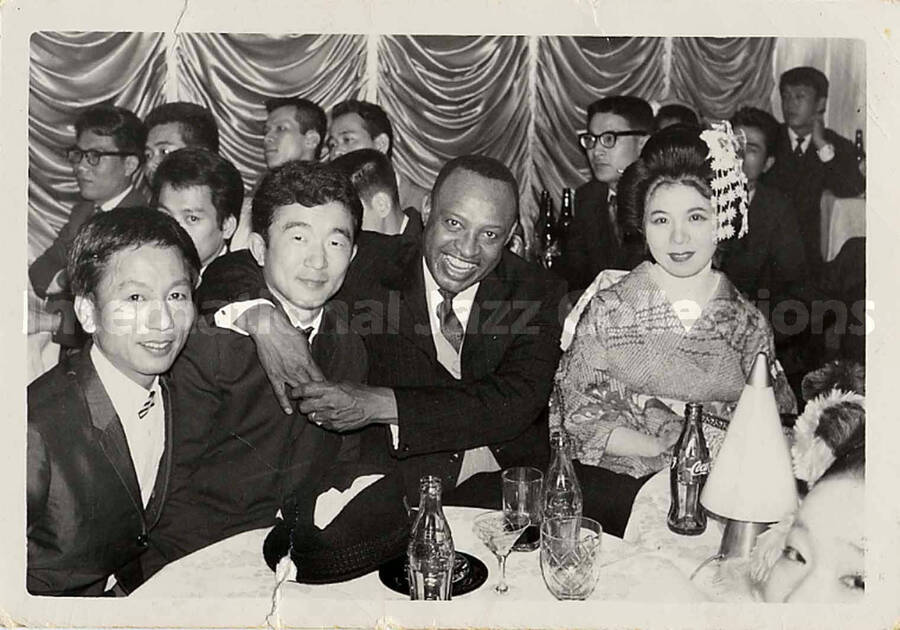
(462, 336)
(173, 126)
(362, 125)
(810, 158)
(295, 129)
(105, 160)
(237, 457)
(100, 422)
(376, 183)
(204, 193)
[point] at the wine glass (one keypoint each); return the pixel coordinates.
(498, 532)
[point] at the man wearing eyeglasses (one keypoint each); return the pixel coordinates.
(105, 158)
(618, 127)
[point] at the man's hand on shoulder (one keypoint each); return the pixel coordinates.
(345, 407)
(283, 351)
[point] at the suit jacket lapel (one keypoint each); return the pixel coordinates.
(161, 486)
(111, 434)
(408, 278)
(491, 312)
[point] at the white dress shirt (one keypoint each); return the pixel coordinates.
(226, 316)
(106, 206)
(146, 436)
(826, 153)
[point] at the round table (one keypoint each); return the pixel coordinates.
(234, 568)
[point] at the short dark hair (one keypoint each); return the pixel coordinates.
(110, 232)
(309, 115)
(760, 120)
(307, 183)
(196, 123)
(197, 167)
(370, 172)
(635, 110)
(127, 131)
(805, 76)
(375, 120)
(681, 114)
(676, 154)
(487, 167)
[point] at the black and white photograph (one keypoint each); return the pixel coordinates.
(566, 317)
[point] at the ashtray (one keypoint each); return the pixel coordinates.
(468, 574)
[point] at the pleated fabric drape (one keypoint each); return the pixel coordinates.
(519, 99)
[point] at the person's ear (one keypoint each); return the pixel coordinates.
(353, 252)
(426, 208)
(132, 164)
(311, 140)
(642, 140)
(768, 163)
(229, 225)
(382, 142)
(381, 204)
(85, 312)
(258, 248)
(820, 105)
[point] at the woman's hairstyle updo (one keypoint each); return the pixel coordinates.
(676, 154)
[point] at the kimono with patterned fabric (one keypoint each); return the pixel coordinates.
(633, 364)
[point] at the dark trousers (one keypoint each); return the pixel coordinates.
(608, 496)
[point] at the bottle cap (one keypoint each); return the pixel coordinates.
(760, 375)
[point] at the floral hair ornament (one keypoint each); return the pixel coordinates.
(729, 184)
(811, 455)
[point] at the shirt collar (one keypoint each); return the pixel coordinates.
(296, 316)
(221, 253)
(127, 396)
(403, 223)
(462, 301)
(106, 206)
(794, 136)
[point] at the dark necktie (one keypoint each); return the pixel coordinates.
(147, 406)
(451, 327)
(798, 150)
(612, 209)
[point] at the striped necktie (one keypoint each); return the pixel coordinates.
(148, 405)
(798, 150)
(451, 327)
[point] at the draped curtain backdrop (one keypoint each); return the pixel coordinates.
(519, 99)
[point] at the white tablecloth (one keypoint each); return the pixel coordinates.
(234, 568)
(842, 219)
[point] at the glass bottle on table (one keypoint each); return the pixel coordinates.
(566, 213)
(430, 553)
(547, 228)
(687, 474)
(562, 492)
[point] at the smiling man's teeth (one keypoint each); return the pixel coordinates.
(458, 264)
(156, 345)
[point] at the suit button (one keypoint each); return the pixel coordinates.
(143, 540)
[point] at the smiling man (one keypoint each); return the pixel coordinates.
(618, 127)
(462, 338)
(100, 423)
(237, 457)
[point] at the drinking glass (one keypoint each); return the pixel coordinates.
(522, 497)
(498, 533)
(570, 555)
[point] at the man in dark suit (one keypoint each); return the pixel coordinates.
(238, 458)
(618, 127)
(178, 125)
(362, 125)
(105, 159)
(375, 182)
(100, 423)
(462, 336)
(809, 158)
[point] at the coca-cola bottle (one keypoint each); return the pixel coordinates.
(566, 213)
(430, 553)
(562, 492)
(687, 474)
